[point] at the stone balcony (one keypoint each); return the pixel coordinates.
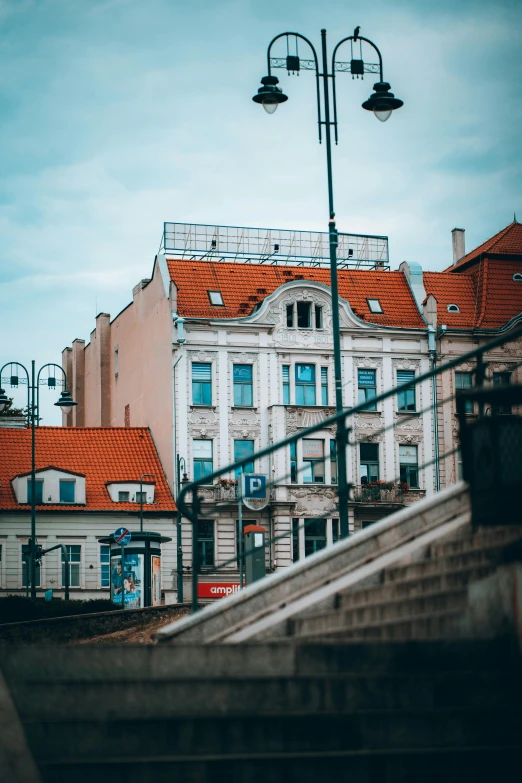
(375, 494)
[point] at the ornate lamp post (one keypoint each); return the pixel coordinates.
(65, 402)
(382, 102)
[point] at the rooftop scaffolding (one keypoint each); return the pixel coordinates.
(283, 247)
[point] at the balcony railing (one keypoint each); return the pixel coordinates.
(386, 493)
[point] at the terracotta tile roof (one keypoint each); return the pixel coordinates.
(506, 242)
(103, 454)
(502, 296)
(452, 289)
(243, 285)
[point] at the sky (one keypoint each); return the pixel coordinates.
(118, 115)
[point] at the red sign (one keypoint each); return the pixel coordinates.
(217, 589)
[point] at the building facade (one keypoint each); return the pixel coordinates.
(87, 485)
(228, 348)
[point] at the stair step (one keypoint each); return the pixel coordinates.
(387, 609)
(189, 736)
(438, 625)
(458, 561)
(483, 538)
(429, 765)
(319, 695)
(414, 586)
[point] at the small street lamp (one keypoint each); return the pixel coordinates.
(181, 465)
(382, 102)
(66, 403)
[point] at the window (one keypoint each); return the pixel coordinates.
(105, 565)
(293, 463)
(315, 535)
(517, 277)
(464, 380)
(206, 543)
(460, 469)
(216, 298)
(286, 384)
(203, 462)
(409, 467)
(290, 315)
(406, 397)
(141, 497)
(304, 315)
(295, 540)
(243, 394)
(305, 384)
(242, 449)
(67, 491)
(324, 385)
(202, 383)
(74, 553)
(123, 497)
(367, 388)
(318, 317)
(453, 308)
(38, 491)
(501, 379)
(313, 461)
(333, 461)
(26, 570)
(375, 306)
(335, 530)
(369, 459)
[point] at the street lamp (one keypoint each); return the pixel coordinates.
(143, 475)
(181, 465)
(382, 102)
(65, 402)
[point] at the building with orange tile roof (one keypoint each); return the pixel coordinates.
(212, 352)
(87, 485)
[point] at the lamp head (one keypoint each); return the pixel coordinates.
(270, 95)
(66, 402)
(4, 400)
(382, 102)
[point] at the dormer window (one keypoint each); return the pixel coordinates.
(375, 306)
(453, 308)
(302, 313)
(216, 298)
(38, 493)
(123, 497)
(517, 277)
(129, 491)
(67, 491)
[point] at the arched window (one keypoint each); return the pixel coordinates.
(453, 308)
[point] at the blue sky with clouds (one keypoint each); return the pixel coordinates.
(118, 115)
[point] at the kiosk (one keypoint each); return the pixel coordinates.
(138, 584)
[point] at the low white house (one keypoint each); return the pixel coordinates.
(87, 484)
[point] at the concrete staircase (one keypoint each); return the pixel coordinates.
(426, 599)
(417, 711)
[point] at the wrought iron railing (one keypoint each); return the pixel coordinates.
(295, 481)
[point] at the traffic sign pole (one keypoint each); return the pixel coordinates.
(240, 522)
(122, 576)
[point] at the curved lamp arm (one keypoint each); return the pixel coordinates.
(50, 364)
(310, 44)
(17, 364)
(342, 41)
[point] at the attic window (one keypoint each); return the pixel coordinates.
(453, 308)
(216, 298)
(375, 306)
(517, 277)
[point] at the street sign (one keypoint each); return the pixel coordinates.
(122, 536)
(254, 491)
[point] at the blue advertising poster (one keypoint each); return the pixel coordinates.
(129, 583)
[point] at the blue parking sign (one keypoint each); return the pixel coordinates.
(255, 486)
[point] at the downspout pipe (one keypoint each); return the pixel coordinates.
(432, 350)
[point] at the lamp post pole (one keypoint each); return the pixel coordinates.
(179, 554)
(382, 102)
(143, 475)
(66, 403)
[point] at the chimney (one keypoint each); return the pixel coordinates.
(457, 240)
